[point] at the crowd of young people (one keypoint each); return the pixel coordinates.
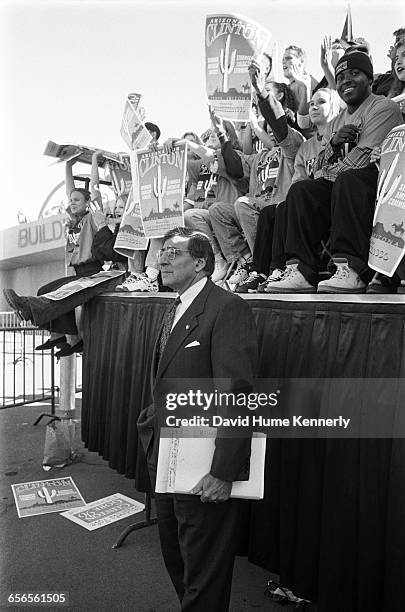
(287, 198)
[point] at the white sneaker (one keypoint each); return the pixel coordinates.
(220, 270)
(241, 273)
(345, 280)
(152, 273)
(292, 281)
(139, 282)
(124, 286)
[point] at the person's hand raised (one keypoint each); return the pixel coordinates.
(256, 77)
(326, 54)
(217, 122)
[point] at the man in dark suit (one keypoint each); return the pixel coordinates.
(212, 335)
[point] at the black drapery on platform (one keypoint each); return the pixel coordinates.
(332, 523)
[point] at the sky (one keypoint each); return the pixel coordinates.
(67, 67)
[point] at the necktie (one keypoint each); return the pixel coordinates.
(167, 325)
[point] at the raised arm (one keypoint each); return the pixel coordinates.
(69, 182)
(261, 134)
(270, 107)
(205, 153)
(95, 180)
(326, 61)
(232, 160)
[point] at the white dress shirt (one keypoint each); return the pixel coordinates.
(187, 298)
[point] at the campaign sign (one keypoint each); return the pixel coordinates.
(161, 183)
(45, 496)
(387, 242)
(130, 235)
(231, 41)
(104, 511)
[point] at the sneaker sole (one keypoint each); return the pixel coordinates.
(311, 290)
(337, 290)
(382, 291)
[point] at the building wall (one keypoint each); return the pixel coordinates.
(31, 255)
(28, 279)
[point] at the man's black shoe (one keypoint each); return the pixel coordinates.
(19, 304)
(68, 350)
(46, 346)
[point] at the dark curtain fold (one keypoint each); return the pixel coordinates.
(119, 338)
(332, 523)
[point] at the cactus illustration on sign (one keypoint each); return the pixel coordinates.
(159, 188)
(227, 66)
(45, 494)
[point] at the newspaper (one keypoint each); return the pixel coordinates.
(67, 152)
(133, 130)
(161, 184)
(231, 41)
(84, 282)
(387, 242)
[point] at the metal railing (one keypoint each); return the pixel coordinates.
(27, 375)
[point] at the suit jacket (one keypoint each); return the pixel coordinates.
(223, 325)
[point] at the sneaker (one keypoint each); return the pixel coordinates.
(128, 282)
(241, 273)
(251, 284)
(345, 280)
(220, 270)
(151, 273)
(141, 283)
(276, 275)
(19, 304)
(381, 285)
(292, 281)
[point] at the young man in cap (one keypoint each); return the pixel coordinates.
(339, 203)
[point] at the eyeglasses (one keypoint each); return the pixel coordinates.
(170, 252)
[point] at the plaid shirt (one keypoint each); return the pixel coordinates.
(375, 118)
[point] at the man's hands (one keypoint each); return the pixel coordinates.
(212, 489)
(348, 133)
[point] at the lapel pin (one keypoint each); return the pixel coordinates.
(187, 326)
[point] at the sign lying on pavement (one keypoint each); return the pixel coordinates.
(44, 496)
(104, 511)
